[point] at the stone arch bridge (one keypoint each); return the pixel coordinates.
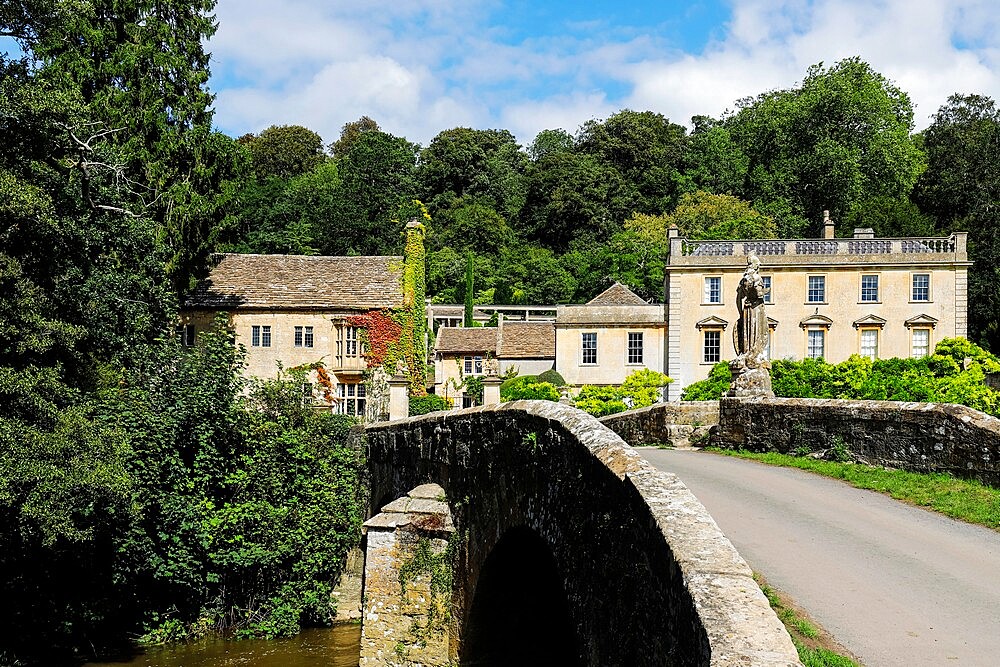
(528, 533)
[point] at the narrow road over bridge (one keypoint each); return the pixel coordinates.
(896, 585)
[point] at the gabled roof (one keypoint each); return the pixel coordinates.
(617, 295)
(301, 282)
(452, 340)
(527, 340)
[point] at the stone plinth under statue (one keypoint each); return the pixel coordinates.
(751, 369)
(747, 382)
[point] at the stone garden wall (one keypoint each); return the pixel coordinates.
(923, 437)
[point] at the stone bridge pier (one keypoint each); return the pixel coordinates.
(529, 534)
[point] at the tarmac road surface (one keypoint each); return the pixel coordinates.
(896, 585)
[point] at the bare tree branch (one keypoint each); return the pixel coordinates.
(86, 166)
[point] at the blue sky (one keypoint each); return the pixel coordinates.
(422, 66)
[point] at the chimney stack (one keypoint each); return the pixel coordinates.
(828, 228)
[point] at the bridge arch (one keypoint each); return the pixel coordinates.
(647, 576)
(519, 613)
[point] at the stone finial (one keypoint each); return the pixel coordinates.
(564, 396)
(673, 232)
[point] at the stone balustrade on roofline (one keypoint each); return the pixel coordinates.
(856, 250)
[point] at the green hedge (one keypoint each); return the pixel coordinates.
(939, 378)
(421, 405)
(640, 389)
(553, 377)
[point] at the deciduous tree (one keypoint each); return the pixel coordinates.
(284, 151)
(840, 139)
(961, 187)
(487, 166)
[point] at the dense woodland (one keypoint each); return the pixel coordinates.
(140, 491)
(555, 221)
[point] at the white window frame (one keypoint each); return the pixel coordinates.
(260, 335)
(809, 343)
(809, 289)
(767, 285)
(716, 346)
(878, 289)
(925, 288)
(351, 341)
(307, 394)
(304, 336)
(588, 348)
(472, 365)
(188, 335)
(913, 342)
(712, 291)
(634, 343)
(872, 351)
(353, 399)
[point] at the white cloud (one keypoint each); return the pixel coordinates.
(422, 66)
(770, 45)
(526, 119)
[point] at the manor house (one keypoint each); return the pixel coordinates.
(295, 310)
(830, 297)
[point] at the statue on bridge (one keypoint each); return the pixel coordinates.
(751, 368)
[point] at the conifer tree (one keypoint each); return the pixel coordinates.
(469, 292)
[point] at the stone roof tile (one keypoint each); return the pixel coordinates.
(467, 339)
(301, 282)
(528, 340)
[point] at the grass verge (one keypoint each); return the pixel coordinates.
(961, 499)
(816, 648)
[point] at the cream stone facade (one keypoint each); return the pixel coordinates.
(462, 352)
(527, 348)
(605, 340)
(290, 311)
(830, 298)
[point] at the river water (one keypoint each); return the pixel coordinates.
(338, 646)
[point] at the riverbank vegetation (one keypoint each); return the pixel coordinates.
(145, 491)
(172, 502)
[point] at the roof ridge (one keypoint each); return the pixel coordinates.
(618, 289)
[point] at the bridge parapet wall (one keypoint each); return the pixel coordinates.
(649, 577)
(673, 422)
(920, 437)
